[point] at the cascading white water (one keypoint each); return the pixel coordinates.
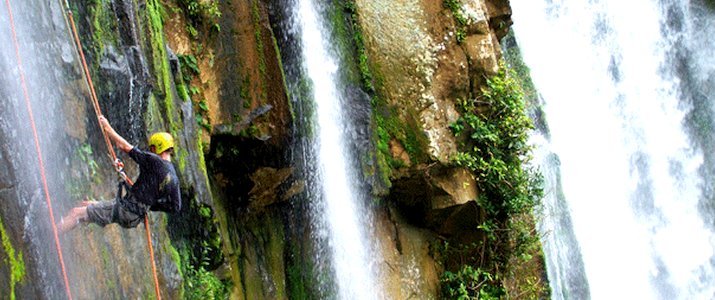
(44, 51)
(614, 89)
(343, 216)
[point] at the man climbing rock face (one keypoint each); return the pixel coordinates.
(156, 188)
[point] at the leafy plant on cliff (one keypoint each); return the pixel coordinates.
(497, 151)
(456, 8)
(470, 283)
(189, 70)
(200, 13)
(201, 283)
(198, 252)
(494, 130)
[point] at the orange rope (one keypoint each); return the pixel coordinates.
(151, 254)
(98, 111)
(93, 94)
(38, 149)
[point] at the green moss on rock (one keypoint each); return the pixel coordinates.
(14, 260)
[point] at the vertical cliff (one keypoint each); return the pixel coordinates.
(212, 73)
(436, 67)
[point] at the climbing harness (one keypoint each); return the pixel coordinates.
(118, 165)
(38, 149)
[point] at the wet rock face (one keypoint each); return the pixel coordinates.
(425, 71)
(11, 216)
(428, 63)
(123, 87)
(240, 72)
(425, 68)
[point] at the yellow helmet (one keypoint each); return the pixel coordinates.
(161, 141)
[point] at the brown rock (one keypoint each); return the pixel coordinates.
(499, 12)
(239, 69)
(458, 222)
(74, 110)
(481, 54)
(408, 269)
(451, 78)
(435, 188)
(398, 152)
(266, 183)
(477, 18)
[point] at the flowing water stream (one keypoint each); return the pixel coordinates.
(340, 216)
(628, 92)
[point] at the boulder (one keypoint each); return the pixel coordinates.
(483, 56)
(440, 198)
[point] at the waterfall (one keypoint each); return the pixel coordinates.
(341, 218)
(46, 55)
(628, 96)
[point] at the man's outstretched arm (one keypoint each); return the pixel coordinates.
(114, 136)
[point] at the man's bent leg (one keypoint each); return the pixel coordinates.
(101, 213)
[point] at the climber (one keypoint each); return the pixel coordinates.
(156, 188)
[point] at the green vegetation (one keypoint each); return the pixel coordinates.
(84, 154)
(381, 132)
(521, 71)
(470, 283)
(710, 4)
(297, 287)
(495, 130)
(200, 14)
(389, 127)
(455, 6)
(15, 261)
(102, 27)
(199, 282)
(189, 66)
(195, 247)
(260, 48)
(190, 69)
(359, 44)
(155, 12)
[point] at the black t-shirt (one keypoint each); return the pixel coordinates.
(157, 185)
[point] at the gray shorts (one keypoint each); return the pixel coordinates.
(107, 212)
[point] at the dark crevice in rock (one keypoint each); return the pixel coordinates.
(234, 159)
(395, 229)
(424, 200)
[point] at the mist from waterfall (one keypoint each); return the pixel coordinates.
(46, 53)
(628, 92)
